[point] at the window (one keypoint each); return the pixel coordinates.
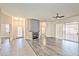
(5, 28)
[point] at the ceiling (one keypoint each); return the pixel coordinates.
(40, 10)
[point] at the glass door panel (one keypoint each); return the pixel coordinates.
(71, 30)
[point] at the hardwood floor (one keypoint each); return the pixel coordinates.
(39, 47)
(18, 47)
(54, 47)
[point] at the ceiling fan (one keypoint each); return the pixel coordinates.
(58, 16)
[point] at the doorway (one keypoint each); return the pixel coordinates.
(20, 32)
(18, 28)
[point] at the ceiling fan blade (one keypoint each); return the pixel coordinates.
(62, 16)
(57, 16)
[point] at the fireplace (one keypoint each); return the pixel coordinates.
(35, 35)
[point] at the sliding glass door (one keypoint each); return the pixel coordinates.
(67, 31)
(71, 31)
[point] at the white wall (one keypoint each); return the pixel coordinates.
(28, 34)
(5, 19)
(50, 29)
(59, 31)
